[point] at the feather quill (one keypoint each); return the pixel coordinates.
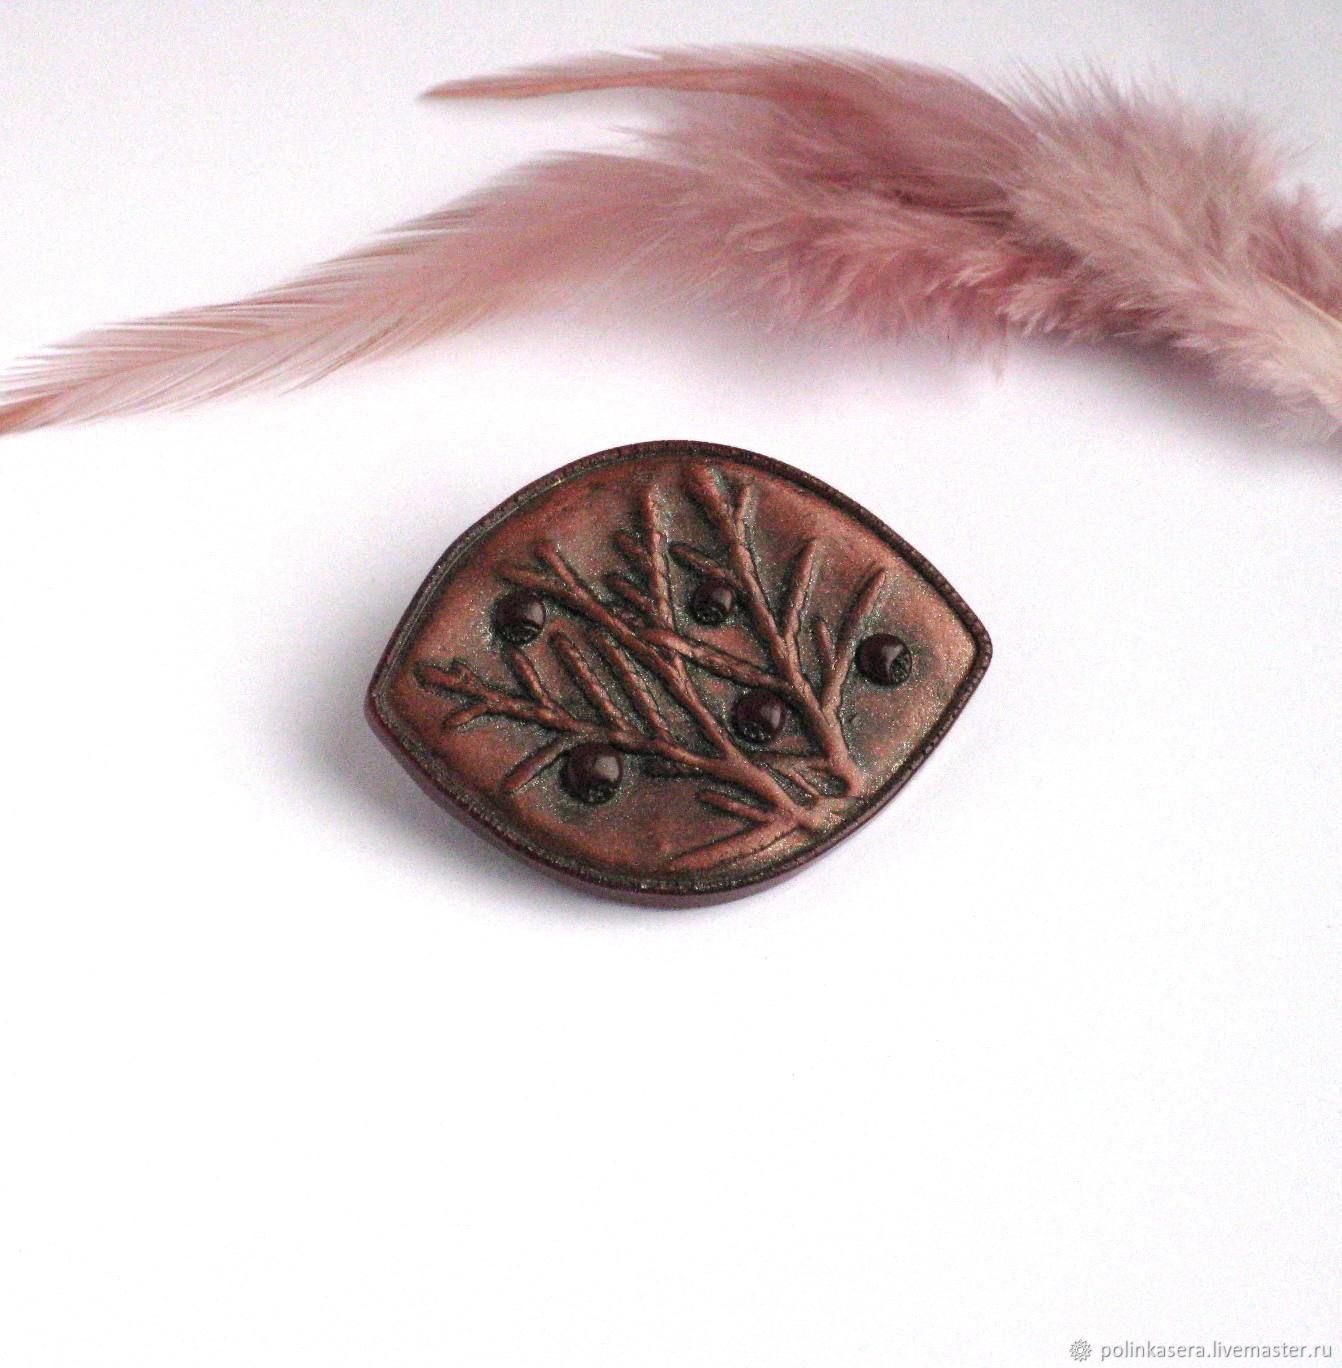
(811, 189)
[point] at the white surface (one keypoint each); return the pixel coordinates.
(295, 1071)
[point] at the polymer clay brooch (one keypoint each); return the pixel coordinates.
(675, 671)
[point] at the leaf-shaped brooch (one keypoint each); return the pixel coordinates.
(675, 671)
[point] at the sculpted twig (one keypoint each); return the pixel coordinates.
(779, 636)
(634, 660)
(858, 611)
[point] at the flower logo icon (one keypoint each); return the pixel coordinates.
(1080, 1350)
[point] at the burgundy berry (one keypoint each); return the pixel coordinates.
(884, 660)
(713, 602)
(758, 716)
(592, 772)
(519, 617)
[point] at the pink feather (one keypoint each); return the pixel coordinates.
(828, 190)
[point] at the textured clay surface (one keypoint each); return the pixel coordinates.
(574, 616)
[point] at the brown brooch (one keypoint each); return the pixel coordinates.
(675, 671)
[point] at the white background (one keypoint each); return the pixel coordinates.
(296, 1071)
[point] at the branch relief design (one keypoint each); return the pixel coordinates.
(637, 662)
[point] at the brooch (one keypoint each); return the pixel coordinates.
(675, 671)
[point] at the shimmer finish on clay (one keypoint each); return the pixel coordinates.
(675, 671)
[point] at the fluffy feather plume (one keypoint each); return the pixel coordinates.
(830, 189)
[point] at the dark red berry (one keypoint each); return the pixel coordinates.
(713, 602)
(519, 617)
(758, 716)
(592, 772)
(884, 659)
